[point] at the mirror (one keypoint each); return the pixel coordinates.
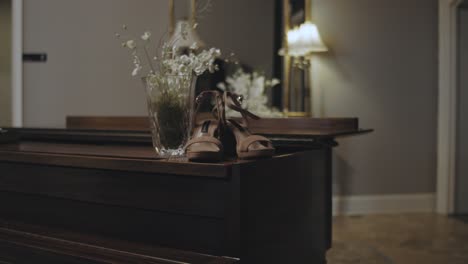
(296, 91)
(87, 73)
(302, 40)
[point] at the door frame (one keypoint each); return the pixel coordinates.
(447, 108)
(17, 63)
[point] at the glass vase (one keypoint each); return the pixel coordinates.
(170, 101)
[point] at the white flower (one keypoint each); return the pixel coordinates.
(131, 44)
(257, 88)
(184, 59)
(274, 82)
(137, 70)
(216, 52)
(194, 46)
(146, 36)
(221, 86)
(252, 87)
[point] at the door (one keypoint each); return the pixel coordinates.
(5, 63)
(461, 205)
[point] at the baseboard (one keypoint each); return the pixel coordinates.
(384, 204)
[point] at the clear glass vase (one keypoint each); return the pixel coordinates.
(170, 100)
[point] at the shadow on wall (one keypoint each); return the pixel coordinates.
(342, 180)
(327, 63)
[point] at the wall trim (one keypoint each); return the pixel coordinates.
(447, 110)
(17, 63)
(384, 204)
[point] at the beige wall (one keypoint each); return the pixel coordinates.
(89, 74)
(382, 68)
(5, 63)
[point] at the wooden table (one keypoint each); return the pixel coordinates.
(110, 185)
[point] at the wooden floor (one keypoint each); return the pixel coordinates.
(399, 239)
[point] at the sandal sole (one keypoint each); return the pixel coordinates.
(204, 156)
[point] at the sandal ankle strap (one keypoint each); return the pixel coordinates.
(218, 110)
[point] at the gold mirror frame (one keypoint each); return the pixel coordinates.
(287, 61)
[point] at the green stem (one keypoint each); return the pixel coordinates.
(149, 59)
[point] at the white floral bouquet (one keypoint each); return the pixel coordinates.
(171, 60)
(169, 77)
(253, 87)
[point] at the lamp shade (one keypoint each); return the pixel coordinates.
(185, 36)
(304, 40)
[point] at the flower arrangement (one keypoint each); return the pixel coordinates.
(253, 88)
(169, 78)
(172, 60)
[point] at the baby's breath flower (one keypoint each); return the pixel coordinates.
(146, 36)
(194, 46)
(252, 86)
(171, 61)
(275, 82)
(221, 86)
(131, 44)
(136, 70)
(153, 79)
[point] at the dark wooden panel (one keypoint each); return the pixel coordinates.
(94, 136)
(303, 126)
(21, 243)
(7, 136)
(193, 233)
(143, 138)
(13, 153)
(266, 126)
(168, 193)
(284, 209)
(85, 149)
(13, 253)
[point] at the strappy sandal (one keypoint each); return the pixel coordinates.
(248, 146)
(205, 144)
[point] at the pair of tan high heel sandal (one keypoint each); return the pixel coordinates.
(212, 138)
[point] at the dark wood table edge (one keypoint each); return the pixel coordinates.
(97, 248)
(144, 137)
(102, 137)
